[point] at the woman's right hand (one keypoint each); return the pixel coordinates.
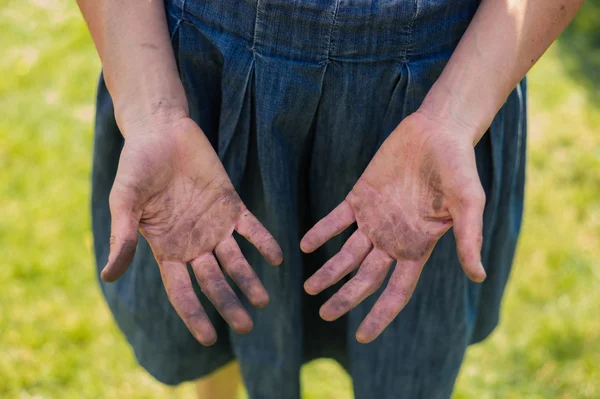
(171, 186)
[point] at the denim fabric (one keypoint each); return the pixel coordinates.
(296, 96)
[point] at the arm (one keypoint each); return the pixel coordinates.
(170, 184)
(133, 43)
(504, 40)
(423, 180)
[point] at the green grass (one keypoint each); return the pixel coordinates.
(57, 338)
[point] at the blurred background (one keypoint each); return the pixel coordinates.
(57, 338)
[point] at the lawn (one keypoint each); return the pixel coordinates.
(57, 338)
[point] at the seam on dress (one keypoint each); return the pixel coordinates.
(410, 40)
(331, 29)
(496, 185)
(255, 33)
(175, 29)
(177, 16)
(183, 11)
(520, 133)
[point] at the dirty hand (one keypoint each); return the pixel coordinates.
(171, 185)
(422, 181)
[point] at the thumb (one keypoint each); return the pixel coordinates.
(123, 239)
(467, 216)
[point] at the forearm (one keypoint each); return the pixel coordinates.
(133, 43)
(504, 40)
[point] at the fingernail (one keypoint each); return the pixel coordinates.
(103, 275)
(303, 246)
(362, 338)
(484, 276)
(324, 314)
(278, 258)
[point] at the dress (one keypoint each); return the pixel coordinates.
(296, 96)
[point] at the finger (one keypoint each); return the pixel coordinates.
(393, 299)
(123, 239)
(249, 227)
(215, 287)
(467, 217)
(368, 279)
(237, 267)
(331, 225)
(183, 298)
(349, 258)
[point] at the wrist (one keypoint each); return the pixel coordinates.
(148, 113)
(151, 94)
(457, 110)
(147, 108)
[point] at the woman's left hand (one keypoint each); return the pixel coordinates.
(422, 181)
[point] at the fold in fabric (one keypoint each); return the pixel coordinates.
(296, 97)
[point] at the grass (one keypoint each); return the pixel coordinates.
(57, 338)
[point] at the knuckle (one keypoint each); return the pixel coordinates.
(362, 278)
(325, 274)
(470, 251)
(333, 223)
(185, 307)
(191, 314)
(378, 317)
(363, 244)
(196, 315)
(399, 295)
(368, 281)
(472, 195)
(219, 285)
(353, 200)
(469, 243)
(264, 241)
(115, 200)
(478, 239)
(372, 287)
(228, 303)
(345, 256)
(179, 295)
(245, 280)
(259, 237)
(238, 262)
(222, 295)
(479, 196)
(342, 304)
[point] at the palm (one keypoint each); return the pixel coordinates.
(420, 183)
(172, 186)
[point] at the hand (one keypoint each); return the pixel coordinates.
(171, 185)
(422, 181)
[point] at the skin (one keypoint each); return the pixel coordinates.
(171, 186)
(401, 213)
(423, 180)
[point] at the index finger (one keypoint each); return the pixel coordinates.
(252, 230)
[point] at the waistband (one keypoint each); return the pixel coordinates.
(325, 30)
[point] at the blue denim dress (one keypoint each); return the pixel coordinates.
(296, 96)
